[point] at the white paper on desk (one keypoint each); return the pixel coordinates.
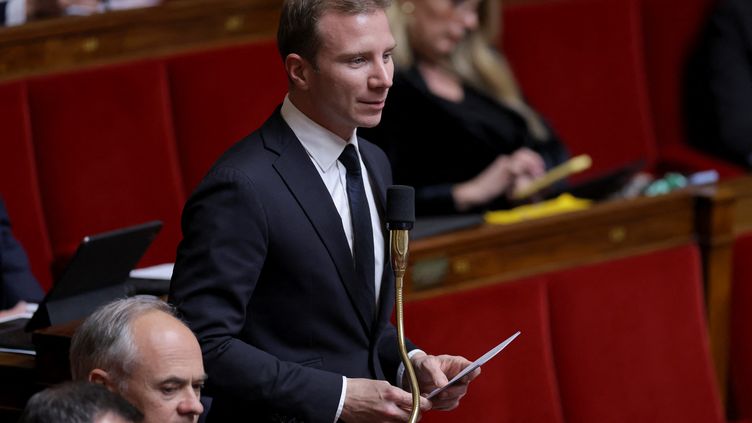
(477, 363)
(160, 272)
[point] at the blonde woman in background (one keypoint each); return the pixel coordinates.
(455, 125)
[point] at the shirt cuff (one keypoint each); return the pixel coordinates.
(401, 368)
(15, 12)
(341, 399)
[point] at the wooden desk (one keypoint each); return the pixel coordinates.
(742, 191)
(23, 375)
(495, 253)
(17, 384)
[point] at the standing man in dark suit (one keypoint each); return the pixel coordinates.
(291, 315)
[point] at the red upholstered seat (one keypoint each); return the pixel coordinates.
(518, 385)
(580, 64)
(740, 360)
(18, 180)
(671, 28)
(106, 155)
(630, 342)
(220, 96)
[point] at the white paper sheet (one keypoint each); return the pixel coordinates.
(477, 363)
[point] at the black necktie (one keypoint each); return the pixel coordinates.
(360, 215)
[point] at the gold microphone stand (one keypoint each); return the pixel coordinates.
(398, 243)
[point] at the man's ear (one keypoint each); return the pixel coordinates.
(102, 377)
(298, 70)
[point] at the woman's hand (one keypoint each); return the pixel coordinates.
(505, 175)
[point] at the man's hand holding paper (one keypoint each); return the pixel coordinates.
(444, 379)
(436, 371)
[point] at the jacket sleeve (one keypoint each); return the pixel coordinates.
(16, 280)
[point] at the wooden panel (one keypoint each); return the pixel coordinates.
(18, 382)
(497, 253)
(715, 220)
(71, 42)
(23, 375)
(742, 189)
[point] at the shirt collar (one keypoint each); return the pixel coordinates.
(322, 145)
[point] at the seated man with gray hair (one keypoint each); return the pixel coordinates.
(138, 348)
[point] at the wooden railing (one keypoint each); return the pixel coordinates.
(73, 42)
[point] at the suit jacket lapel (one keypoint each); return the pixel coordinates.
(296, 169)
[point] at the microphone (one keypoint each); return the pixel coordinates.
(400, 216)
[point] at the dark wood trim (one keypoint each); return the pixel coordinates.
(742, 189)
(715, 228)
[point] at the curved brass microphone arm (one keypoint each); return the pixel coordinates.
(399, 241)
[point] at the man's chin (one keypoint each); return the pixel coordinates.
(370, 122)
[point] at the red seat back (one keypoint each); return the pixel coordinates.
(580, 64)
(519, 385)
(740, 360)
(630, 341)
(106, 154)
(18, 180)
(220, 96)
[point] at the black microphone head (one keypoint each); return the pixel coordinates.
(400, 207)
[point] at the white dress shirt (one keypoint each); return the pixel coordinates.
(324, 148)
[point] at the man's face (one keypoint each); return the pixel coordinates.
(348, 83)
(169, 371)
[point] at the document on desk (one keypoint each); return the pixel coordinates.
(477, 363)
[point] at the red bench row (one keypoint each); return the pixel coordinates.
(618, 342)
(101, 148)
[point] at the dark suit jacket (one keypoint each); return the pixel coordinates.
(16, 281)
(265, 278)
(718, 84)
